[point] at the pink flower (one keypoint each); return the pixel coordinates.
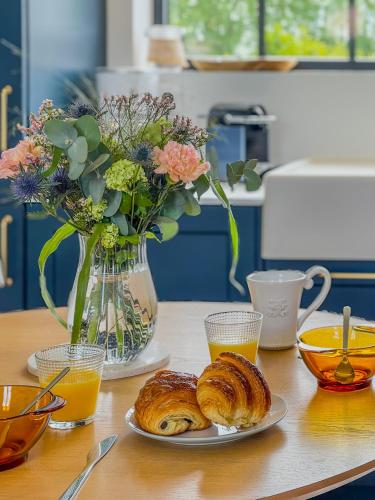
(24, 153)
(180, 161)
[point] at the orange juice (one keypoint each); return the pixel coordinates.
(80, 389)
(249, 350)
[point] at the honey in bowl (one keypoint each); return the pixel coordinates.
(321, 350)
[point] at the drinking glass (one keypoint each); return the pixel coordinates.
(80, 387)
(235, 331)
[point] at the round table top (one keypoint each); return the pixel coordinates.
(325, 440)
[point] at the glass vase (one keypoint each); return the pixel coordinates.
(121, 305)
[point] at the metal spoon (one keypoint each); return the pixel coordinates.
(45, 390)
(344, 372)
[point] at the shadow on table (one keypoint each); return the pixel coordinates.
(213, 471)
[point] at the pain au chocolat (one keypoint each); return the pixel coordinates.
(167, 404)
(233, 391)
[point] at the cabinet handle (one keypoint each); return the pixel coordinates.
(353, 276)
(5, 221)
(5, 91)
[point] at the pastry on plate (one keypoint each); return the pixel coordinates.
(233, 391)
(167, 404)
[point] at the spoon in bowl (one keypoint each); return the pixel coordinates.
(344, 373)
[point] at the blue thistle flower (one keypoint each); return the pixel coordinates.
(142, 153)
(78, 109)
(60, 182)
(27, 186)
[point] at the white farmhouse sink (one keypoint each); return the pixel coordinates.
(320, 209)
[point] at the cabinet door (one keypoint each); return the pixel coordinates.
(195, 264)
(12, 257)
(61, 266)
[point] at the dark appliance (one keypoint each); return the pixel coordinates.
(240, 133)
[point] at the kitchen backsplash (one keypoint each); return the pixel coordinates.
(319, 113)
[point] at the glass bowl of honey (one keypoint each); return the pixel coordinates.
(322, 352)
(19, 433)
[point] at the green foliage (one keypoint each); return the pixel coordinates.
(60, 133)
(233, 230)
(55, 162)
(191, 206)
(113, 199)
(48, 249)
(168, 227)
(78, 150)
(201, 185)
(120, 220)
(83, 279)
(88, 127)
(239, 169)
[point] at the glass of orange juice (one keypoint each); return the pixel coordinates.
(235, 331)
(80, 387)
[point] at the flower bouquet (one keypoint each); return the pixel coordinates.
(116, 175)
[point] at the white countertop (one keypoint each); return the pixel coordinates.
(237, 197)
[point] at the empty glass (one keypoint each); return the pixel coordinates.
(80, 387)
(235, 331)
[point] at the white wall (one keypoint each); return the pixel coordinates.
(320, 113)
(127, 22)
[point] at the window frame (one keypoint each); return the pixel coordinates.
(161, 17)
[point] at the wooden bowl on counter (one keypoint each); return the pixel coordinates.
(230, 64)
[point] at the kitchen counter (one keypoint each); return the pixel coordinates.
(238, 196)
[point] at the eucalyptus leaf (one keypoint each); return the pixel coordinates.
(235, 171)
(93, 165)
(60, 133)
(174, 205)
(113, 199)
(191, 206)
(122, 223)
(88, 127)
(37, 215)
(168, 227)
(96, 188)
(55, 161)
(251, 164)
(75, 170)
(85, 183)
(252, 181)
(101, 150)
(78, 150)
(201, 185)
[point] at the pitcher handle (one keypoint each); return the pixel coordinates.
(318, 301)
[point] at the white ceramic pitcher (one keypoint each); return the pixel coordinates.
(277, 295)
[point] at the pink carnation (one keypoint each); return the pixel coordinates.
(24, 153)
(181, 162)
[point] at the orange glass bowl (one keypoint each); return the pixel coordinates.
(321, 350)
(18, 434)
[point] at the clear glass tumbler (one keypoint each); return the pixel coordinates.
(234, 331)
(80, 387)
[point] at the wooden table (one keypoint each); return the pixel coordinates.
(325, 440)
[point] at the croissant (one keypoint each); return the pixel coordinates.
(167, 404)
(233, 391)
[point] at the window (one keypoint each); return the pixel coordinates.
(320, 33)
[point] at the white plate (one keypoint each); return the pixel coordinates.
(216, 434)
(154, 357)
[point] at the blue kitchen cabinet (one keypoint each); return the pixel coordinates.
(11, 257)
(195, 264)
(358, 293)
